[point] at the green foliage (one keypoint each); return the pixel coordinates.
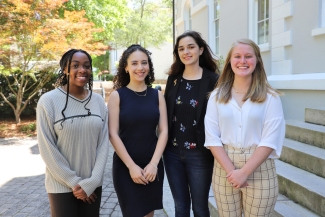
(109, 77)
(6, 110)
(29, 128)
(101, 62)
(149, 24)
(105, 14)
(220, 63)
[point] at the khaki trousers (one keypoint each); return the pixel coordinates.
(257, 199)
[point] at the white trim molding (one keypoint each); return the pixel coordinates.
(264, 47)
(312, 81)
(318, 31)
(200, 6)
(282, 11)
(281, 37)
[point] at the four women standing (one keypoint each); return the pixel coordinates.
(242, 125)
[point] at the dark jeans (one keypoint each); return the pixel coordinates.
(189, 176)
(67, 205)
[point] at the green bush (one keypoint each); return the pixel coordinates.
(109, 77)
(6, 110)
(29, 128)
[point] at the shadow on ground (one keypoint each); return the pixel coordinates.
(24, 195)
(34, 149)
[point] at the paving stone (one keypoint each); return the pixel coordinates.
(27, 209)
(108, 206)
(2, 210)
(11, 212)
(26, 196)
(21, 215)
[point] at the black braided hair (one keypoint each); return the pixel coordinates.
(63, 79)
(121, 79)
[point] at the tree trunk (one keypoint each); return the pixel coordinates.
(17, 117)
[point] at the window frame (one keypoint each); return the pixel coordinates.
(265, 20)
(216, 18)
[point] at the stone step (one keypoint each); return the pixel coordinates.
(315, 116)
(304, 156)
(306, 133)
(303, 187)
(284, 207)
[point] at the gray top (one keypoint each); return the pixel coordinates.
(75, 150)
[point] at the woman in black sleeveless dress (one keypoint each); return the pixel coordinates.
(135, 111)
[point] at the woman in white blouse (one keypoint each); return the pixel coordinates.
(245, 128)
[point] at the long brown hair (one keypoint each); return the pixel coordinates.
(206, 59)
(259, 87)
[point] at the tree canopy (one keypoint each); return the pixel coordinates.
(149, 24)
(105, 14)
(32, 38)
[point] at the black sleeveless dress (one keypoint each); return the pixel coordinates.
(139, 117)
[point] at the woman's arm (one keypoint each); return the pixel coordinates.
(151, 168)
(90, 184)
(136, 173)
(271, 141)
(238, 177)
(213, 136)
(50, 153)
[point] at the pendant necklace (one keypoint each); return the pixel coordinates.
(238, 91)
(141, 95)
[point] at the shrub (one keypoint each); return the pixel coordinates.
(29, 128)
(109, 77)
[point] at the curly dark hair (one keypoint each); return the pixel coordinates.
(63, 78)
(121, 79)
(206, 59)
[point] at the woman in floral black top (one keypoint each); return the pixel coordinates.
(188, 163)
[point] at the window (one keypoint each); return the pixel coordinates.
(263, 21)
(188, 18)
(216, 24)
(322, 15)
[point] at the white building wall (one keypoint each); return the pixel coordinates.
(295, 54)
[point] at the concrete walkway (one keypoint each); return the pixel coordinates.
(22, 191)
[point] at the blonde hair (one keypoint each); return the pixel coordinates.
(259, 87)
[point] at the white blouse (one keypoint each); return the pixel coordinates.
(260, 124)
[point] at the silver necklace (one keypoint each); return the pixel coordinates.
(238, 91)
(141, 95)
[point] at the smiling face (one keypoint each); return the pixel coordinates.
(188, 51)
(243, 60)
(80, 70)
(137, 66)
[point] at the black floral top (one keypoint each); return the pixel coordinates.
(184, 116)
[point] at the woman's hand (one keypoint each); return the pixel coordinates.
(237, 178)
(150, 172)
(79, 193)
(137, 175)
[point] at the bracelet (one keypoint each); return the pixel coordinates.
(153, 166)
